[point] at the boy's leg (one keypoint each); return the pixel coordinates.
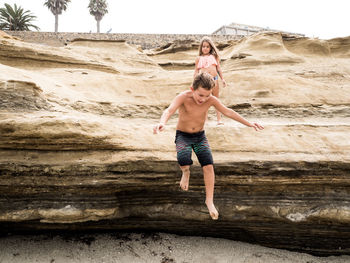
(203, 152)
(184, 153)
(185, 179)
(209, 181)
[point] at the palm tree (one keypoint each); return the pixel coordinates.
(56, 7)
(16, 19)
(98, 8)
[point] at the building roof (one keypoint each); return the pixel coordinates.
(249, 28)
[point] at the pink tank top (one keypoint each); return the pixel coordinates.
(206, 61)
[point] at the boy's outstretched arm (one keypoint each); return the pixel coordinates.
(174, 105)
(234, 115)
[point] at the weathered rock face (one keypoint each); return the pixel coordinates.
(77, 150)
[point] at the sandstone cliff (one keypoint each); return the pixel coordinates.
(78, 153)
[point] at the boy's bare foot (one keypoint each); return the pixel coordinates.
(185, 179)
(214, 214)
(220, 123)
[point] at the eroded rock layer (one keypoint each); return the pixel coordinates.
(77, 150)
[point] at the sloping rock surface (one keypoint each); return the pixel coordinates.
(77, 150)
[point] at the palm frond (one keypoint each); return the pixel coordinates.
(98, 8)
(16, 18)
(57, 6)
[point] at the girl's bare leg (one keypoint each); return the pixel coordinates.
(216, 94)
(185, 179)
(209, 181)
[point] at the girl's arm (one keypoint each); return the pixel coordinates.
(174, 105)
(218, 68)
(196, 70)
(234, 115)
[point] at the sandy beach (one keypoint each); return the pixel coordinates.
(145, 247)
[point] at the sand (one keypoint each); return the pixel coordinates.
(144, 247)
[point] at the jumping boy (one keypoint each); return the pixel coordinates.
(193, 106)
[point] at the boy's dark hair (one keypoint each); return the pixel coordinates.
(203, 80)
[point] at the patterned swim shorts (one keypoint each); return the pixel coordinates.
(198, 142)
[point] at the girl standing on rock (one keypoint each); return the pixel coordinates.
(209, 61)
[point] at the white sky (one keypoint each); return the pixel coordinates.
(315, 18)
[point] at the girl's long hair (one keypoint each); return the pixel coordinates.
(213, 49)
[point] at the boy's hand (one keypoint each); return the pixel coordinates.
(158, 128)
(257, 126)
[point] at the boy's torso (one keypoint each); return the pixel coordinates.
(192, 116)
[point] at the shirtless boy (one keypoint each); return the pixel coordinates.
(193, 106)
